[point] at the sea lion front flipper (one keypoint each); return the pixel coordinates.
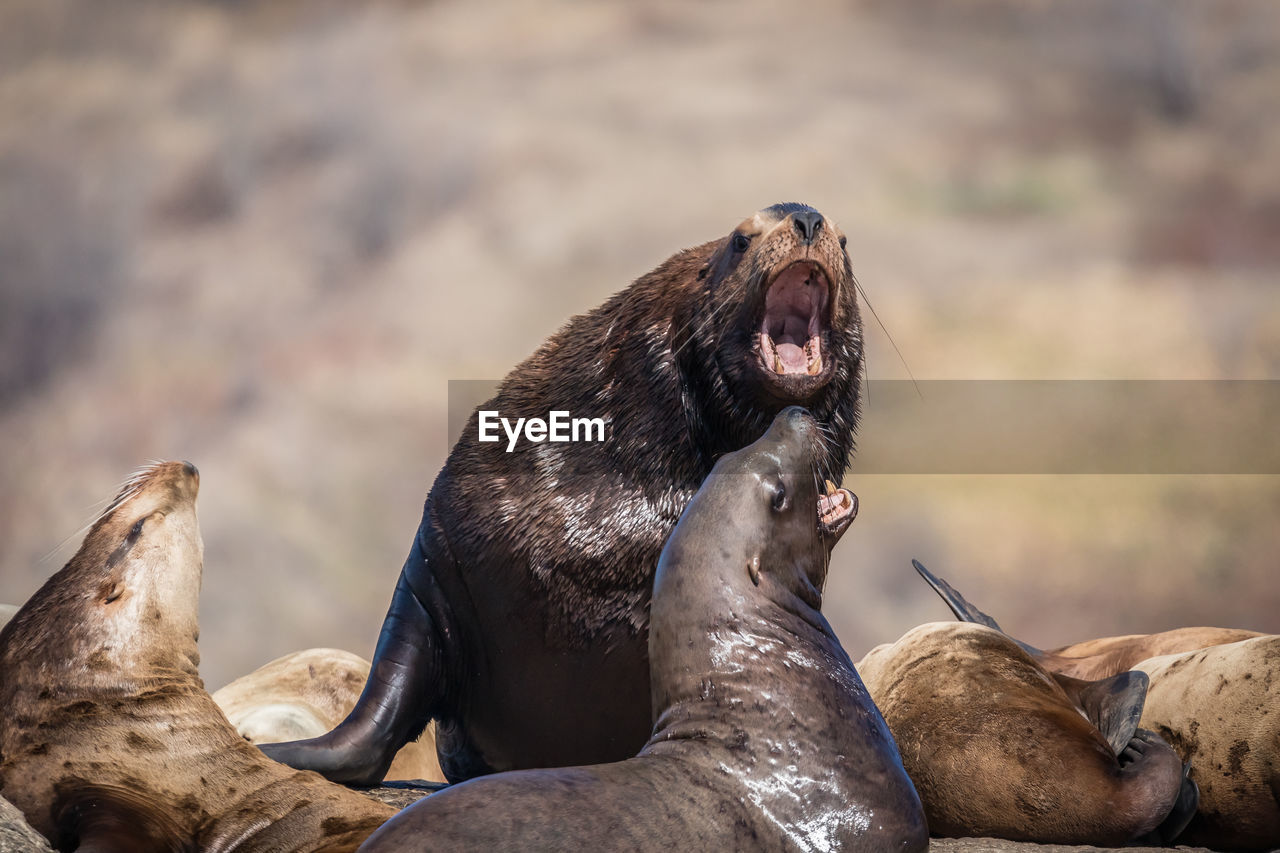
(109, 819)
(1184, 809)
(404, 690)
(1113, 704)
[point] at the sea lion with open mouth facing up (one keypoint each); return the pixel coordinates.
(520, 618)
(109, 741)
(763, 736)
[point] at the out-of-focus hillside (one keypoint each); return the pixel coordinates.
(262, 237)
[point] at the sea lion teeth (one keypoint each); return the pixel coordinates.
(815, 366)
(831, 487)
(777, 364)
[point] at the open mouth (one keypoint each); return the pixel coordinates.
(791, 331)
(836, 509)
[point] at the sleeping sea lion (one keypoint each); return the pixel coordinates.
(1219, 708)
(520, 619)
(109, 742)
(763, 736)
(307, 693)
(997, 747)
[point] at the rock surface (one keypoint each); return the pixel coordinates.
(16, 835)
(401, 794)
(999, 845)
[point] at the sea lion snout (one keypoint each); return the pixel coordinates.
(807, 224)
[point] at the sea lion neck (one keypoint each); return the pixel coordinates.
(738, 588)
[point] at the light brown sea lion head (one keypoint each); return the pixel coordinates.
(132, 589)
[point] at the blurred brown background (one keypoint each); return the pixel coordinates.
(263, 235)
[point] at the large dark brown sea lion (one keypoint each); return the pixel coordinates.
(997, 747)
(1220, 709)
(1098, 658)
(520, 618)
(108, 741)
(307, 693)
(763, 737)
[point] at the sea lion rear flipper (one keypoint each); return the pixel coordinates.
(1113, 704)
(963, 610)
(109, 819)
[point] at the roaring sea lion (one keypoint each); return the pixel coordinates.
(108, 741)
(997, 747)
(763, 736)
(1098, 658)
(307, 693)
(1220, 709)
(520, 618)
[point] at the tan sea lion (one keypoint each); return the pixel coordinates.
(1219, 708)
(109, 742)
(764, 737)
(307, 693)
(1098, 658)
(997, 747)
(520, 619)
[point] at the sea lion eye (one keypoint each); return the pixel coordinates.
(136, 530)
(779, 499)
(741, 242)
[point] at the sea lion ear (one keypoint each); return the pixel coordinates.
(702, 273)
(1113, 704)
(109, 819)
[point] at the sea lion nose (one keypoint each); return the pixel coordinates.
(192, 471)
(797, 418)
(807, 224)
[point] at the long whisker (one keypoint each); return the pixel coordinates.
(892, 343)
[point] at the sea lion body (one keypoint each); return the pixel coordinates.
(1099, 658)
(1219, 707)
(519, 621)
(1106, 656)
(307, 693)
(997, 747)
(763, 736)
(109, 739)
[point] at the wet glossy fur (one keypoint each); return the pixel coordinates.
(520, 617)
(764, 737)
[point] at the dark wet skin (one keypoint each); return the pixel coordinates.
(763, 738)
(520, 619)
